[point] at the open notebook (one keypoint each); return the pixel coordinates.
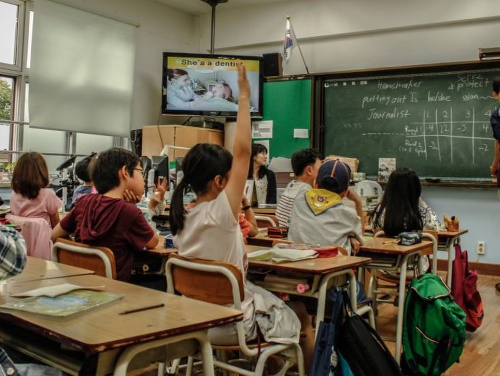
(62, 306)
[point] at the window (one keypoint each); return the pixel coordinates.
(6, 109)
(12, 14)
(9, 14)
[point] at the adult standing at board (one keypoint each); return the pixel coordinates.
(495, 125)
(264, 191)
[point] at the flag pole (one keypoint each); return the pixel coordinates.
(298, 44)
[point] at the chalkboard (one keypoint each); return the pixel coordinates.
(435, 121)
(289, 105)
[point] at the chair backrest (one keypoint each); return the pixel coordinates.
(99, 259)
(210, 281)
(264, 221)
(36, 232)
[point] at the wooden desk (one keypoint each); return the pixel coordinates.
(37, 269)
(259, 211)
(112, 338)
(262, 239)
(323, 271)
(446, 242)
(382, 251)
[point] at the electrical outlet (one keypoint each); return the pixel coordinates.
(481, 248)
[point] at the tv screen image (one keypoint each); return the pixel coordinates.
(201, 84)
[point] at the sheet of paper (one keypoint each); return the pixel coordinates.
(262, 129)
(301, 133)
(53, 291)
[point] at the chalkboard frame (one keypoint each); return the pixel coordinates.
(448, 67)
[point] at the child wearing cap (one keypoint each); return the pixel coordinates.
(320, 217)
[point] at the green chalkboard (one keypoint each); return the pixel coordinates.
(433, 120)
(289, 105)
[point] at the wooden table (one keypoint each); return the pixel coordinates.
(109, 337)
(389, 256)
(262, 239)
(37, 269)
(259, 211)
(446, 241)
(323, 271)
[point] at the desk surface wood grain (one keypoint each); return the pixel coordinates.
(105, 329)
(37, 269)
(388, 245)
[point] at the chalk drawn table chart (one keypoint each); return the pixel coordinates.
(437, 123)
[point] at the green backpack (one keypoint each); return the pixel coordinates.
(434, 328)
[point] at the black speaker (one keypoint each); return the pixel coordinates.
(272, 64)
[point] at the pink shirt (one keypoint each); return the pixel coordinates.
(42, 206)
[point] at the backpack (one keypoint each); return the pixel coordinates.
(362, 348)
(323, 364)
(433, 328)
(464, 290)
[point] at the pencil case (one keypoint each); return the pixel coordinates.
(409, 238)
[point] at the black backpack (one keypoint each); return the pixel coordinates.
(363, 349)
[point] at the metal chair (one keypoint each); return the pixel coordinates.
(222, 283)
(99, 259)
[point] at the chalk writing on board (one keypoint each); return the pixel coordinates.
(436, 123)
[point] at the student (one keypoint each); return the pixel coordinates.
(264, 191)
(82, 173)
(319, 216)
(180, 93)
(31, 198)
(12, 262)
(210, 229)
(402, 209)
(305, 166)
(247, 220)
(106, 219)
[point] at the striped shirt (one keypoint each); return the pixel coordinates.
(12, 252)
(285, 205)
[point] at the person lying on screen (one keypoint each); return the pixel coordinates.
(181, 96)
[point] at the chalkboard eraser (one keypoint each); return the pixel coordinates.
(433, 180)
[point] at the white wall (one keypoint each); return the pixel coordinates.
(337, 35)
(344, 35)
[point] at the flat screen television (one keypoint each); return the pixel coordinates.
(207, 85)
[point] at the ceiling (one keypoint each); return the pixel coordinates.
(199, 7)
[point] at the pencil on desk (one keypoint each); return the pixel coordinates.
(390, 242)
(142, 309)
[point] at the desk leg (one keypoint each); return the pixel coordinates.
(401, 301)
(349, 273)
(129, 353)
(450, 246)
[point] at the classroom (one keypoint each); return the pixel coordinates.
(336, 38)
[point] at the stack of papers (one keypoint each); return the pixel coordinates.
(282, 255)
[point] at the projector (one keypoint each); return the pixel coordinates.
(489, 53)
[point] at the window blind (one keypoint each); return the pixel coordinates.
(82, 70)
